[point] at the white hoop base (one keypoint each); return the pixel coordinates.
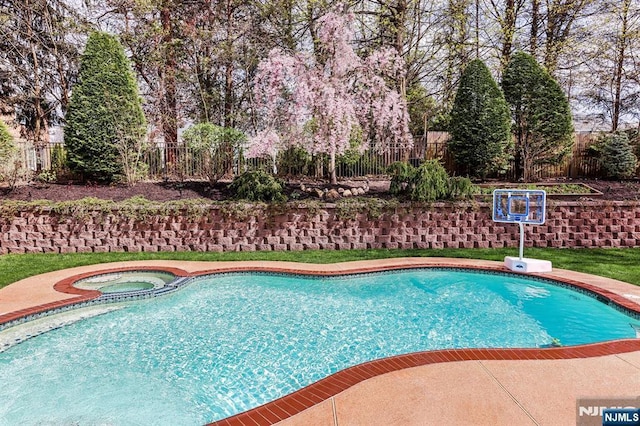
(518, 264)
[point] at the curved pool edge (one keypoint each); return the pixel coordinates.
(62, 292)
(318, 392)
(289, 405)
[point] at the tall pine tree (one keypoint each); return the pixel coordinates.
(479, 127)
(105, 121)
(540, 110)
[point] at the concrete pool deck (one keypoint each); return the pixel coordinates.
(453, 387)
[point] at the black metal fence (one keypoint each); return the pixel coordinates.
(179, 162)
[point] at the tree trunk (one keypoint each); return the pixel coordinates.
(319, 166)
(289, 39)
(401, 16)
(227, 119)
(399, 20)
(560, 18)
(33, 125)
(169, 108)
(619, 65)
(508, 31)
(518, 161)
(552, 41)
(526, 162)
(456, 41)
(519, 146)
(64, 87)
(535, 22)
(332, 167)
(317, 51)
(477, 28)
(37, 122)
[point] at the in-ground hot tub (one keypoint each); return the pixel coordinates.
(124, 282)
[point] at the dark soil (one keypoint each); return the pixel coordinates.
(160, 191)
(154, 191)
(613, 190)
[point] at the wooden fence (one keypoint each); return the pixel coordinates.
(580, 164)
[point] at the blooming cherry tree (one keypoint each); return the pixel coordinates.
(319, 104)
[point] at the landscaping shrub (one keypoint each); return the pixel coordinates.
(7, 147)
(294, 161)
(616, 156)
(480, 124)
(58, 158)
(47, 176)
(429, 182)
(106, 127)
(348, 161)
(461, 188)
(402, 176)
(8, 151)
(634, 140)
(257, 185)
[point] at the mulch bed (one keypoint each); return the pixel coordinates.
(168, 191)
(154, 191)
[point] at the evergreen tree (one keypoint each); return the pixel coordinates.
(105, 123)
(479, 127)
(540, 110)
(616, 156)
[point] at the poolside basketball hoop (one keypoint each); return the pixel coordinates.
(521, 206)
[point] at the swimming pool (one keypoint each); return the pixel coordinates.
(226, 343)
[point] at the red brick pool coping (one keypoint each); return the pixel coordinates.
(324, 389)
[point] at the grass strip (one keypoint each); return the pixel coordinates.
(620, 264)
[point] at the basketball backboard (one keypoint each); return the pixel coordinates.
(519, 205)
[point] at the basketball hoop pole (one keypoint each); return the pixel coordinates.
(521, 239)
(522, 206)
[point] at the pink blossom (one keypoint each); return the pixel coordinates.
(264, 144)
(318, 105)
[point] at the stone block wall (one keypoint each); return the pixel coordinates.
(439, 225)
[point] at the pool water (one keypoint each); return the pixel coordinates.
(126, 286)
(228, 343)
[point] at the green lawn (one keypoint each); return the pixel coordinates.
(621, 264)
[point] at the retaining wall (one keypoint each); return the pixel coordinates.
(439, 225)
